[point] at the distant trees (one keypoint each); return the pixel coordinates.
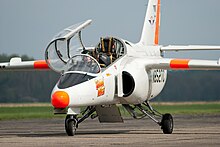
(28, 86)
(191, 86)
(6, 58)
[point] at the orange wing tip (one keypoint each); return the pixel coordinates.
(179, 63)
(60, 99)
(40, 65)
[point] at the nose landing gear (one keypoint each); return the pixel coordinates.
(72, 122)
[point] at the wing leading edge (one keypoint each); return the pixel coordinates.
(182, 64)
(17, 64)
(185, 64)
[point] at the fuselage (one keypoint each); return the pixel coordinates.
(124, 81)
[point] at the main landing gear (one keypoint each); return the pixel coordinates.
(166, 122)
(72, 122)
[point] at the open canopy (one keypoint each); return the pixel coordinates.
(64, 46)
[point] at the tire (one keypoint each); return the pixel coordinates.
(70, 125)
(167, 124)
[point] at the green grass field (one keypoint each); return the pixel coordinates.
(26, 112)
(46, 111)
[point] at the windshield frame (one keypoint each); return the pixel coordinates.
(80, 72)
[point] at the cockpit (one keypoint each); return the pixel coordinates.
(66, 54)
(106, 51)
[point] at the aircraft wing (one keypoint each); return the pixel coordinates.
(182, 64)
(188, 48)
(17, 64)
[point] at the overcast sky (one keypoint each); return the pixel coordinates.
(27, 26)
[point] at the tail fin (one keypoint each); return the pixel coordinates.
(150, 32)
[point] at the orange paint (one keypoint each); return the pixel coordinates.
(100, 87)
(60, 99)
(101, 91)
(99, 83)
(41, 64)
(179, 63)
(156, 39)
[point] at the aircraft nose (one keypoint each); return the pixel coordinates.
(60, 99)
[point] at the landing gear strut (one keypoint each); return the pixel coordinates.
(72, 122)
(166, 122)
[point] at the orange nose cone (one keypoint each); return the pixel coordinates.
(60, 99)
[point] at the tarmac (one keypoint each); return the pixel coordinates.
(189, 130)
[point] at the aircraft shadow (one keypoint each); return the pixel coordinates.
(106, 132)
(48, 134)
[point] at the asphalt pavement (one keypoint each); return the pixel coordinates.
(189, 130)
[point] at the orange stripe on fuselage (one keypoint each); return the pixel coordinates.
(41, 64)
(179, 63)
(156, 39)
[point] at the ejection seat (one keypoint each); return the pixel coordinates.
(105, 52)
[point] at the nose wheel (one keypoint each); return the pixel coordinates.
(71, 124)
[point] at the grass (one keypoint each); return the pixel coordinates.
(204, 108)
(26, 112)
(196, 108)
(46, 111)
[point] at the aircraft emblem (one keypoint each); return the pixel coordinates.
(151, 20)
(100, 87)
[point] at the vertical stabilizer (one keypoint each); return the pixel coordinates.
(150, 32)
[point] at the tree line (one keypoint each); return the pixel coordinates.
(191, 86)
(25, 86)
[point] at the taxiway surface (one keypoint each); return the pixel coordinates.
(188, 131)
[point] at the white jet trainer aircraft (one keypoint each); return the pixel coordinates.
(114, 72)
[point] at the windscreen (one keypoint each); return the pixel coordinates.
(72, 79)
(84, 63)
(79, 69)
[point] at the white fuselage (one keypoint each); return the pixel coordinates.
(140, 84)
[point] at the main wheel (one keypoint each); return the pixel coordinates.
(70, 125)
(167, 124)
